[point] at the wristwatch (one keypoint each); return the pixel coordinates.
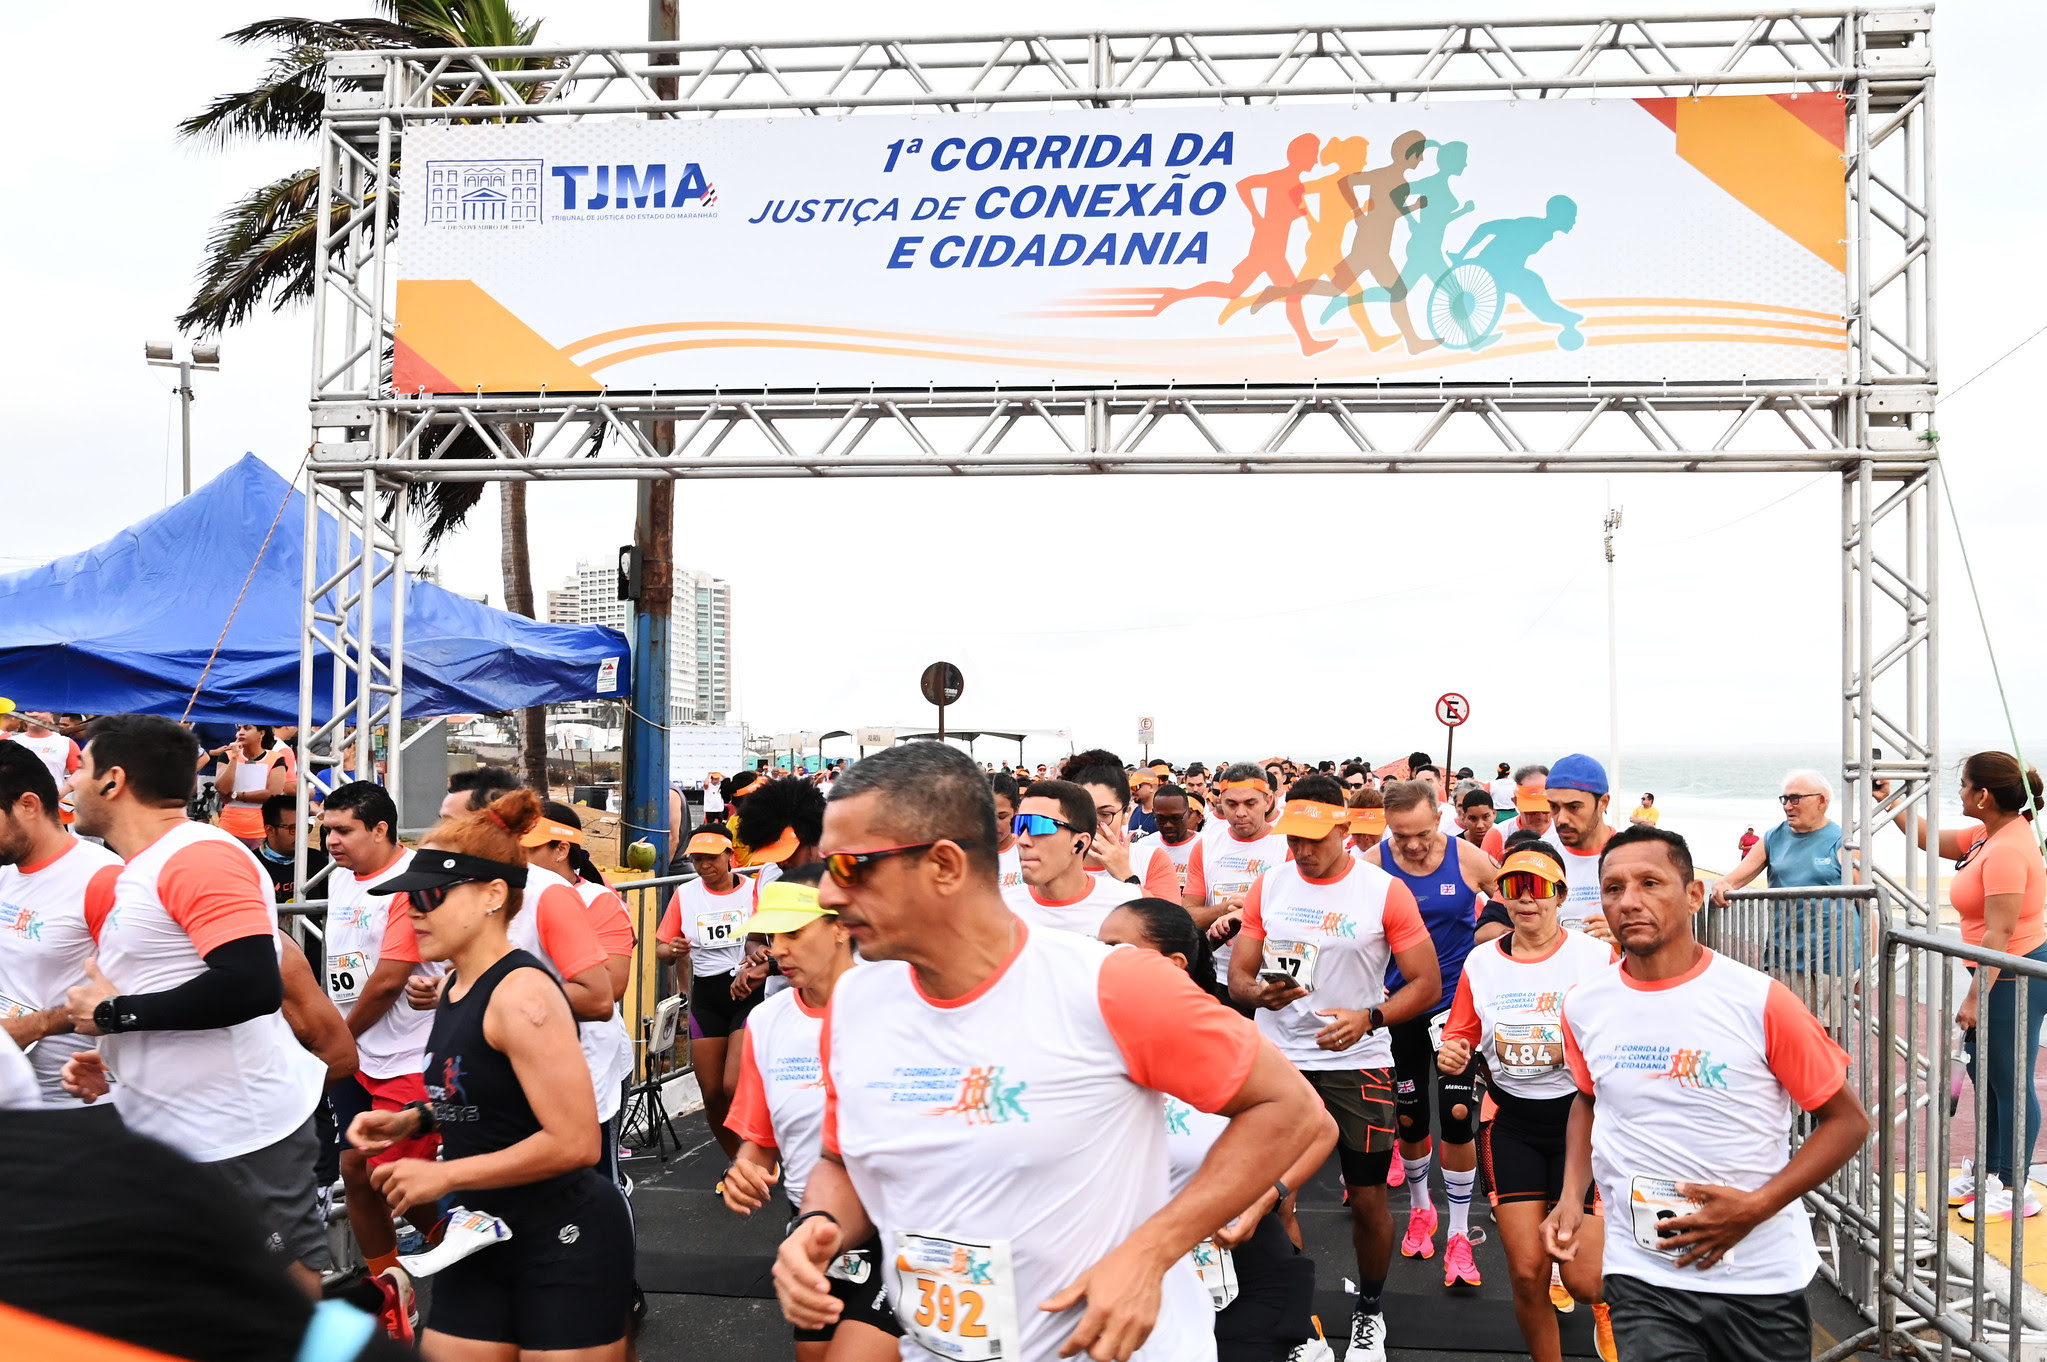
(108, 1018)
(426, 1115)
(1378, 1020)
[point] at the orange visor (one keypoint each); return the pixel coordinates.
(781, 849)
(547, 830)
(1310, 819)
(1528, 799)
(708, 844)
(1532, 863)
(1368, 820)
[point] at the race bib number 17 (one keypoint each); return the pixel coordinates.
(957, 1297)
(1295, 959)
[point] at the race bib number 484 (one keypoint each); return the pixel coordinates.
(1528, 1051)
(957, 1297)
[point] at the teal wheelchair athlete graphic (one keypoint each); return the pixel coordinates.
(1466, 301)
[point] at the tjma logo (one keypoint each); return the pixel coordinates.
(590, 189)
(485, 193)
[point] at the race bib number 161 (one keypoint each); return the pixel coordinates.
(957, 1297)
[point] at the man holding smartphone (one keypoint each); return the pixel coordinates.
(1319, 931)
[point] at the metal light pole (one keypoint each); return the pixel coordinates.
(205, 358)
(1613, 666)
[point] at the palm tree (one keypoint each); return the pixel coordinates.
(261, 251)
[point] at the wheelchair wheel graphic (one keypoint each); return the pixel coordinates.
(1464, 306)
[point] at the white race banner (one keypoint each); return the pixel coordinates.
(1537, 240)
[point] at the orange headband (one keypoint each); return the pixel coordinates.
(1247, 785)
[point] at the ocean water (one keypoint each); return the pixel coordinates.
(1712, 795)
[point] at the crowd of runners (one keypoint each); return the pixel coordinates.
(1034, 1062)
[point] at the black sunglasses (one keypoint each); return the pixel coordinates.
(849, 868)
(426, 900)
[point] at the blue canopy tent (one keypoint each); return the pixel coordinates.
(126, 627)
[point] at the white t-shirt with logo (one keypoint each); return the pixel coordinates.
(1581, 876)
(1509, 1008)
(1009, 870)
(711, 923)
(1164, 866)
(1085, 914)
(1224, 865)
(45, 942)
(19, 1090)
(1698, 1079)
(58, 753)
(363, 930)
(779, 1103)
(211, 1094)
(1004, 1140)
(1336, 938)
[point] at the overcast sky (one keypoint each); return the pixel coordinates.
(1081, 602)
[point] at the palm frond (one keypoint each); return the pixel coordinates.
(443, 506)
(261, 249)
(288, 101)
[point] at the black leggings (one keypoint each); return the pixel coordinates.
(1414, 1069)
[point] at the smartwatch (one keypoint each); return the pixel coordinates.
(107, 1018)
(1378, 1020)
(426, 1116)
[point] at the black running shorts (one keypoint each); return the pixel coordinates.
(863, 1302)
(563, 1280)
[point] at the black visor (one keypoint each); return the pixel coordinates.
(432, 868)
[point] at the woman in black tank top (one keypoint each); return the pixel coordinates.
(513, 1105)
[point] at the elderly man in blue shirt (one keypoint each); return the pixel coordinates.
(1803, 851)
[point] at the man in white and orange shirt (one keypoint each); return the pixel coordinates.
(1691, 1069)
(1233, 853)
(187, 990)
(47, 879)
(1319, 933)
(1019, 1185)
(1055, 826)
(57, 752)
(370, 954)
(1164, 869)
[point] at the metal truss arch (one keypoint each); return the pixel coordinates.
(373, 442)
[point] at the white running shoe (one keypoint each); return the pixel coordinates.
(1314, 1350)
(1961, 1188)
(1995, 1202)
(1367, 1338)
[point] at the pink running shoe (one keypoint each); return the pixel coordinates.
(1420, 1239)
(1458, 1267)
(1396, 1172)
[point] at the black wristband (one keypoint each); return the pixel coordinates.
(1279, 1185)
(427, 1124)
(810, 1215)
(1378, 1020)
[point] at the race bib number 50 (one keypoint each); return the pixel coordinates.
(346, 974)
(957, 1297)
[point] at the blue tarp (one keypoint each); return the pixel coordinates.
(126, 627)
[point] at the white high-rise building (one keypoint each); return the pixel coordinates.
(700, 642)
(700, 633)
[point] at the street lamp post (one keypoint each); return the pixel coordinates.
(204, 357)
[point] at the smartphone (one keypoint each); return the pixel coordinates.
(1275, 976)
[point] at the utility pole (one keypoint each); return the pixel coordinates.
(1613, 666)
(206, 359)
(646, 737)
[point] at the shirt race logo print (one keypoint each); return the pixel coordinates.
(1177, 1113)
(22, 921)
(1695, 1069)
(985, 1100)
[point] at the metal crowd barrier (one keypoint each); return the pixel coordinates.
(1922, 1279)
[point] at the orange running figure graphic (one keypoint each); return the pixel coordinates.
(1371, 247)
(1329, 213)
(1269, 231)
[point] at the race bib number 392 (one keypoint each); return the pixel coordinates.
(957, 1297)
